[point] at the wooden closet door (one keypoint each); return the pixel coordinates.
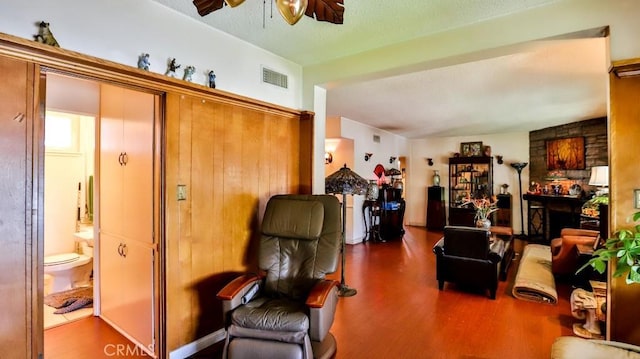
(110, 177)
(20, 330)
(127, 249)
(137, 190)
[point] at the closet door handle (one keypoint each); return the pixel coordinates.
(19, 117)
(125, 159)
(120, 158)
(125, 250)
(120, 249)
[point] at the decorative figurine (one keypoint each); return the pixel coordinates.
(172, 67)
(212, 79)
(45, 36)
(143, 62)
(188, 73)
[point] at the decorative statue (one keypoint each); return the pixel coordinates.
(583, 306)
(212, 79)
(172, 67)
(143, 62)
(188, 73)
(45, 36)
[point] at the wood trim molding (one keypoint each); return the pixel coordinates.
(77, 63)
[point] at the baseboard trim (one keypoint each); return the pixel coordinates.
(188, 350)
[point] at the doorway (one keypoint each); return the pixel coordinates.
(100, 156)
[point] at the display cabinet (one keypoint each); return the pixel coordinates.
(469, 177)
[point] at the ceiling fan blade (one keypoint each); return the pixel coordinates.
(206, 7)
(326, 10)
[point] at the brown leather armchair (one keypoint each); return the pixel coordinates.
(286, 311)
(564, 259)
(466, 255)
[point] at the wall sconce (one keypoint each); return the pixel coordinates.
(500, 160)
(367, 155)
(430, 161)
(391, 159)
(328, 158)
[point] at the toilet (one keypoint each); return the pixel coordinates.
(70, 270)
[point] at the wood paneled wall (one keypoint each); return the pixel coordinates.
(231, 159)
(19, 288)
(624, 130)
(231, 152)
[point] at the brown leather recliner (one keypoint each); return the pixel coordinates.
(564, 259)
(286, 311)
(466, 255)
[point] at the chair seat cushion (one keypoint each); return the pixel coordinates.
(272, 314)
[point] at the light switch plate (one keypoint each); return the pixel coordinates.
(182, 192)
(636, 198)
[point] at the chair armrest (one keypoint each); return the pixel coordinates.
(438, 248)
(232, 293)
(236, 286)
(555, 245)
(319, 293)
(578, 232)
(322, 303)
(496, 251)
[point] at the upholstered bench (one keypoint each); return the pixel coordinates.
(506, 235)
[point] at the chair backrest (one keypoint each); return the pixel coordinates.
(468, 242)
(300, 243)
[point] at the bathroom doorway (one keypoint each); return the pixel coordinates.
(72, 108)
(101, 206)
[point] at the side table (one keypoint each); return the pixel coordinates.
(371, 216)
(505, 234)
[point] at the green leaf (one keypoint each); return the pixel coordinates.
(600, 266)
(633, 277)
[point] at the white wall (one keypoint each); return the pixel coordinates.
(514, 147)
(362, 136)
(481, 40)
(121, 30)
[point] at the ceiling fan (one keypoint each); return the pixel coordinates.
(322, 10)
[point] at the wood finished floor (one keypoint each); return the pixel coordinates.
(397, 313)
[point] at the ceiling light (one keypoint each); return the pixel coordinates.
(292, 10)
(234, 3)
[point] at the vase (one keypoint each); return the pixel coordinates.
(483, 223)
(372, 191)
(436, 178)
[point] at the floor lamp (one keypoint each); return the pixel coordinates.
(519, 166)
(344, 181)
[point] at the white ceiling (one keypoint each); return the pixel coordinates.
(549, 83)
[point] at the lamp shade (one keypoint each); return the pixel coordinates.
(345, 181)
(599, 176)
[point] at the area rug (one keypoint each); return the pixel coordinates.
(70, 300)
(534, 280)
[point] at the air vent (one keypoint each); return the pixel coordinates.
(376, 138)
(275, 78)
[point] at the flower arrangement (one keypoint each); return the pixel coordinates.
(483, 206)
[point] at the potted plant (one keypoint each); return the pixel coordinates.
(483, 207)
(624, 247)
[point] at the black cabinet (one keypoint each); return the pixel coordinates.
(469, 177)
(436, 217)
(503, 216)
